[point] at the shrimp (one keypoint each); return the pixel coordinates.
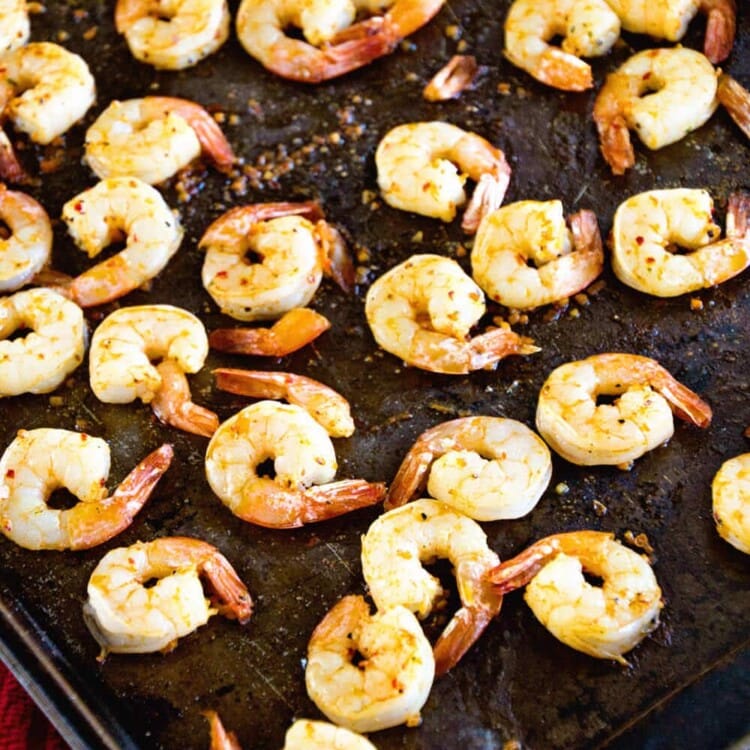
(14, 27)
(294, 254)
(422, 167)
(301, 490)
(27, 250)
(331, 46)
(328, 407)
(172, 34)
(391, 682)
(489, 468)
(153, 138)
(640, 419)
(730, 491)
(125, 616)
(44, 89)
(305, 734)
(669, 19)
(123, 347)
(40, 461)
(296, 328)
(663, 94)
(735, 98)
(393, 551)
(605, 622)
(524, 256)
(422, 311)
(104, 213)
(589, 29)
(40, 360)
(646, 227)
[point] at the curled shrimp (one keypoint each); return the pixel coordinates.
(589, 28)
(396, 546)
(332, 45)
(15, 27)
(524, 255)
(294, 254)
(422, 311)
(27, 249)
(388, 686)
(422, 167)
(153, 138)
(662, 94)
(296, 328)
(639, 420)
(304, 460)
(172, 34)
(730, 491)
(735, 98)
(646, 227)
(52, 348)
(117, 208)
(603, 621)
(40, 461)
(125, 616)
(489, 468)
(121, 370)
(328, 407)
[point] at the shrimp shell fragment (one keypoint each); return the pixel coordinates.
(172, 34)
(604, 622)
(39, 361)
(639, 420)
(396, 546)
(126, 617)
(646, 226)
(730, 491)
(392, 682)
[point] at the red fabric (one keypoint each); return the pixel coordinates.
(22, 725)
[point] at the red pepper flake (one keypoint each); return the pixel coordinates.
(78, 206)
(10, 474)
(222, 274)
(646, 76)
(639, 240)
(650, 260)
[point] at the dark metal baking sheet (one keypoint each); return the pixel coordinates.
(518, 683)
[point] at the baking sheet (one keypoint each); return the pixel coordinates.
(518, 683)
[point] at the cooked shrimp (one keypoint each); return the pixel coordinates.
(331, 46)
(486, 467)
(14, 25)
(524, 256)
(127, 617)
(662, 94)
(736, 100)
(393, 551)
(39, 361)
(27, 250)
(172, 34)
(123, 347)
(104, 213)
(40, 461)
(296, 328)
(305, 734)
(731, 501)
(392, 681)
(640, 419)
(301, 490)
(422, 167)
(605, 621)
(646, 227)
(294, 254)
(422, 311)
(589, 29)
(328, 407)
(44, 89)
(153, 138)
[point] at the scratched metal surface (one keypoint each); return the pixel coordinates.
(518, 683)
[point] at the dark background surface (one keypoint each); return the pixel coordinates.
(518, 683)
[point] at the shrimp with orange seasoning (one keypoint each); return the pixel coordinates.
(14, 27)
(153, 138)
(42, 460)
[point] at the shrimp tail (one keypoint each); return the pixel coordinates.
(487, 349)
(232, 598)
(337, 262)
(519, 570)
(686, 404)
(221, 739)
(736, 100)
(10, 168)
(411, 477)
(337, 498)
(453, 78)
(105, 282)
(488, 195)
(738, 218)
(296, 328)
(458, 637)
(563, 71)
(721, 28)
